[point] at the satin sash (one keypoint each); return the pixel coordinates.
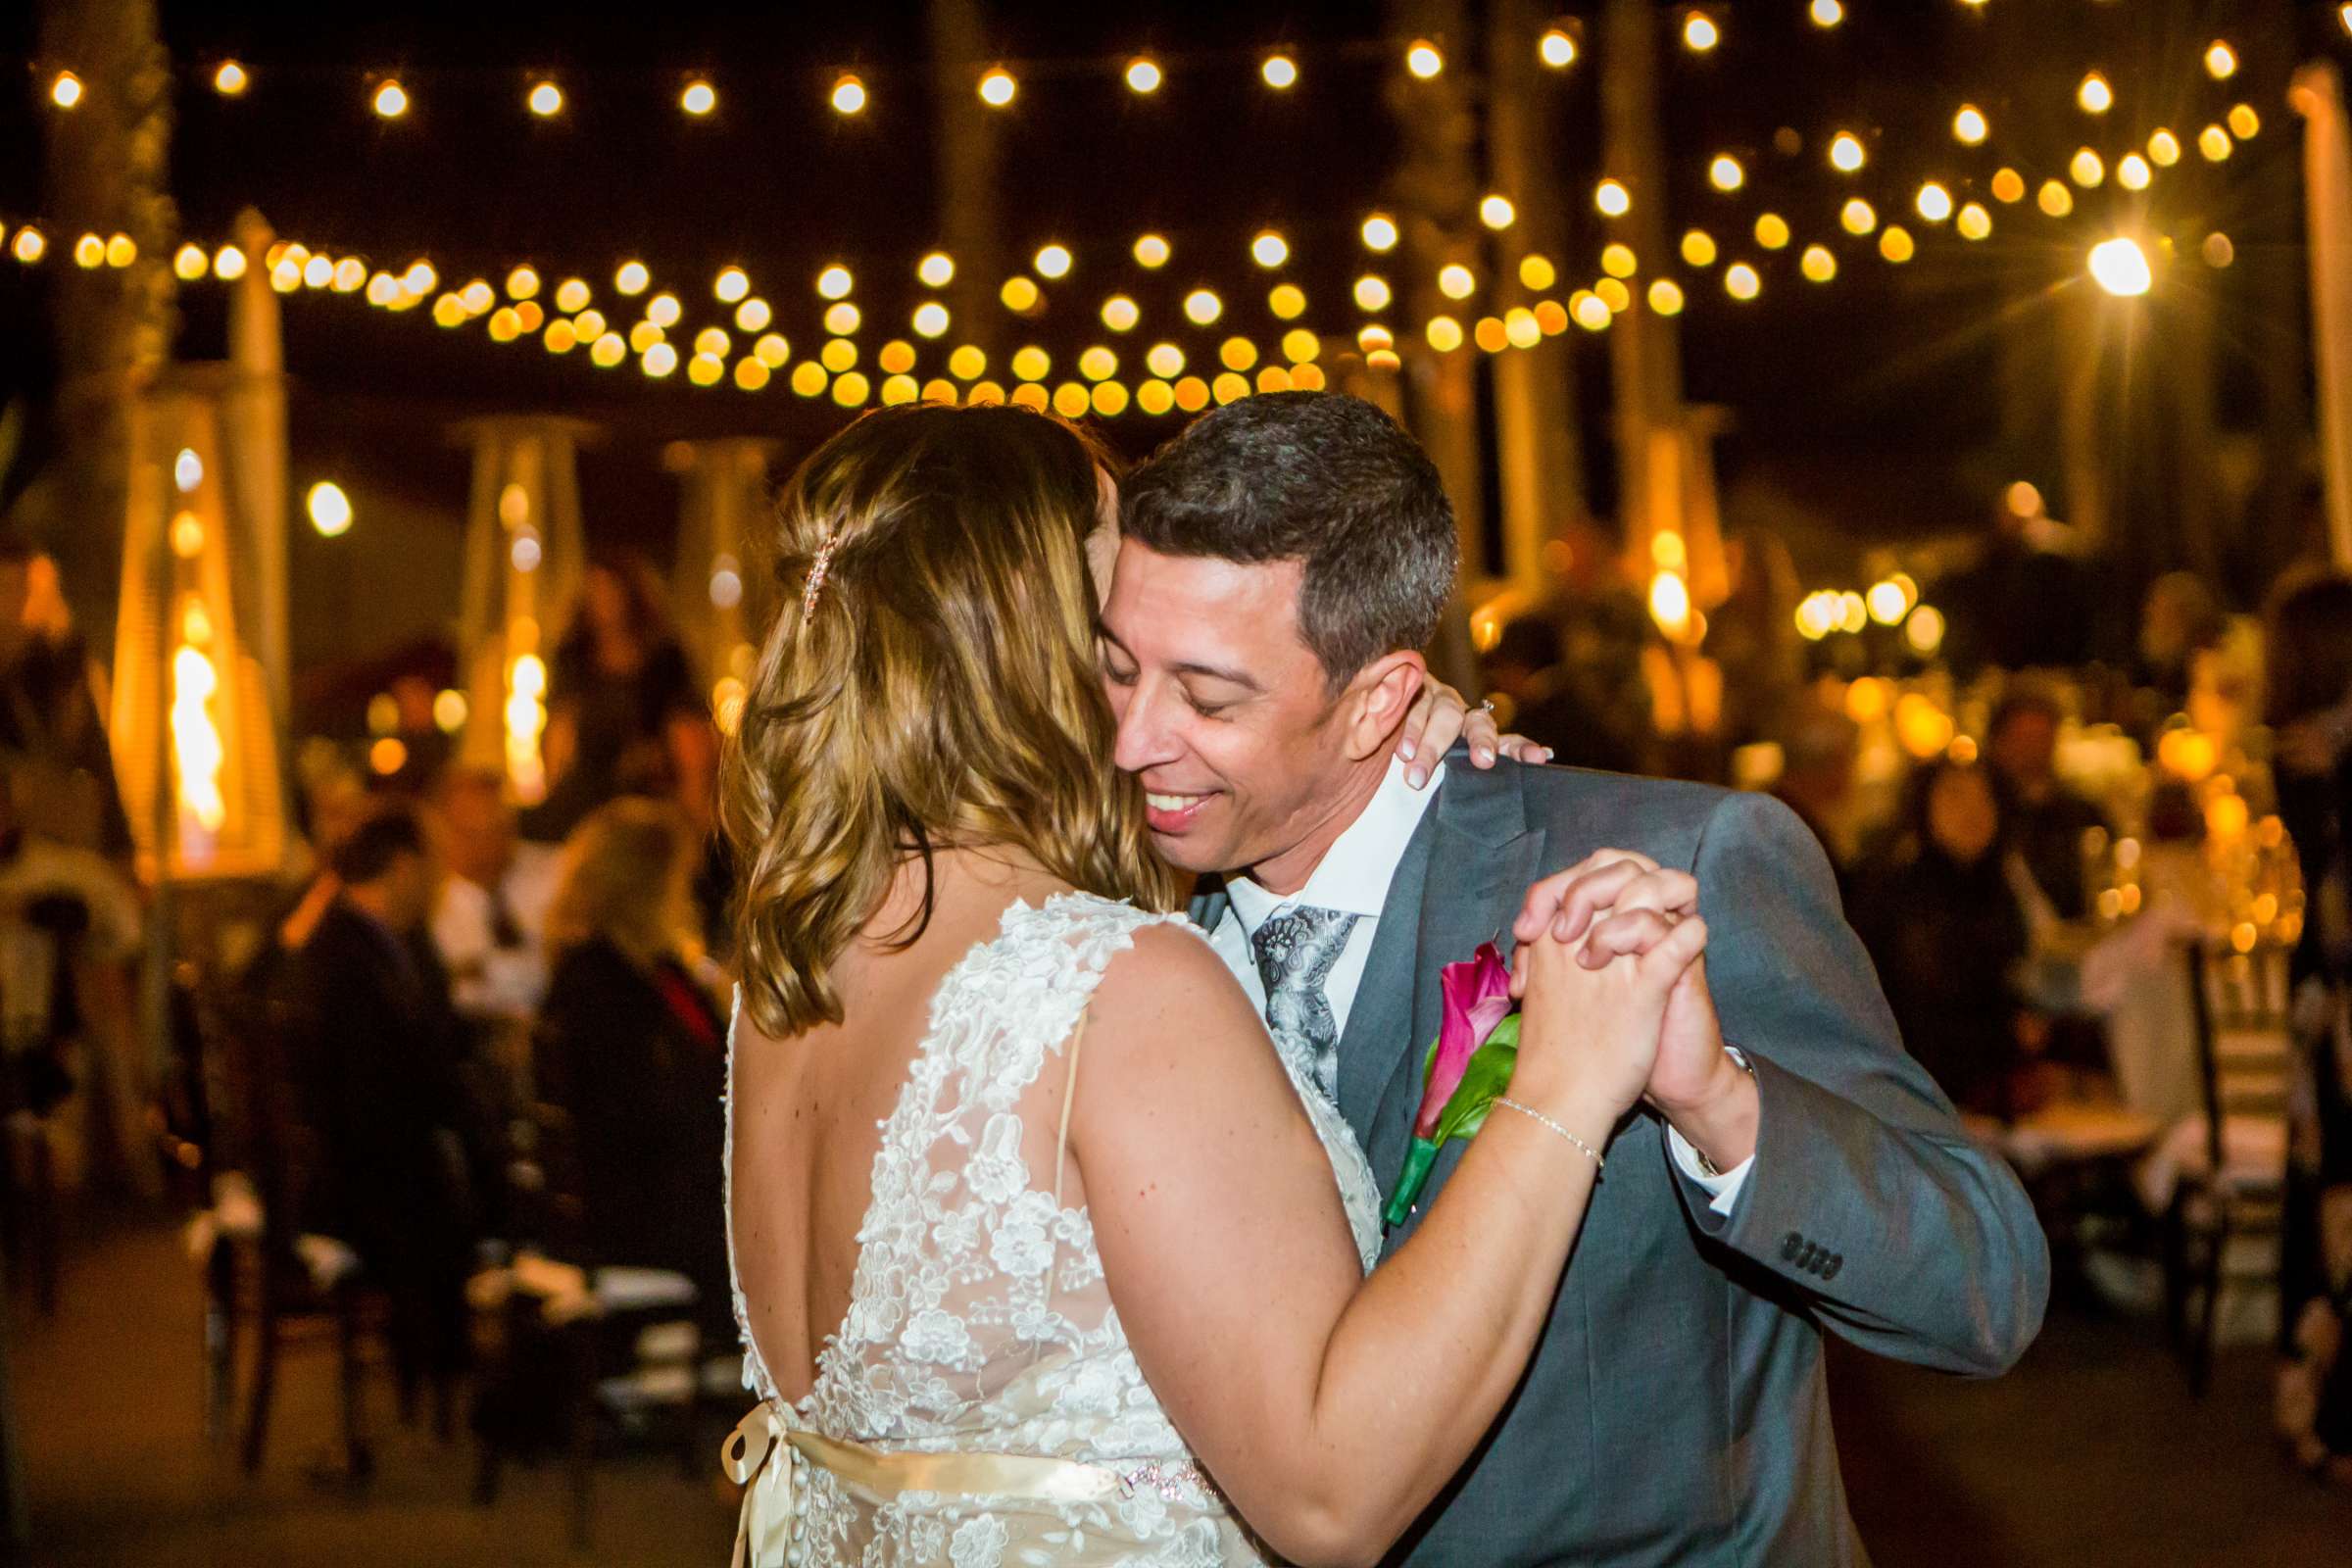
(770, 1479)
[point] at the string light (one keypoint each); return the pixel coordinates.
(66, 90)
(1557, 49)
(229, 265)
(1120, 314)
(230, 79)
(1699, 32)
(2213, 142)
(546, 100)
(931, 318)
(1666, 296)
(571, 295)
(1725, 173)
(2245, 122)
(1288, 301)
(1445, 333)
(1619, 260)
(2164, 149)
(1817, 264)
(2008, 185)
(1455, 281)
(1372, 292)
(1772, 230)
(2121, 268)
(842, 318)
(1052, 262)
(29, 246)
(1826, 13)
(848, 94)
(1975, 222)
(833, 283)
(1846, 155)
(1020, 295)
(1269, 250)
(1612, 199)
(2131, 171)
(2087, 168)
(1143, 74)
(631, 279)
(330, 508)
(1538, 273)
(391, 100)
(2094, 95)
(936, 270)
(1935, 203)
(1740, 282)
(1897, 244)
(698, 98)
(1280, 72)
(1151, 250)
(1497, 213)
(2055, 199)
(1969, 127)
(1423, 59)
(1698, 248)
(1380, 232)
(997, 88)
(1202, 307)
(2221, 61)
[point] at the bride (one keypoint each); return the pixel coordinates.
(1042, 1255)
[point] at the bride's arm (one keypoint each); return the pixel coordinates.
(1329, 1407)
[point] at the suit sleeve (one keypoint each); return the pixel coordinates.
(1914, 1240)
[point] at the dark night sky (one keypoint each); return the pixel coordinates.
(1886, 367)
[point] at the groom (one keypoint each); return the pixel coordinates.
(1792, 1169)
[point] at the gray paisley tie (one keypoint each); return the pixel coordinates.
(1294, 953)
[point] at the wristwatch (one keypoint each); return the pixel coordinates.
(1707, 1166)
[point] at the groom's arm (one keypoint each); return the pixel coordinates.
(1916, 1242)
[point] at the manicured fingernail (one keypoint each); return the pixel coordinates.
(1416, 776)
(1485, 754)
(1407, 751)
(1549, 753)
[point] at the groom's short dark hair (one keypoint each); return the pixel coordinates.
(1321, 478)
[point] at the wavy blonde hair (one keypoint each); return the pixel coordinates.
(627, 876)
(942, 693)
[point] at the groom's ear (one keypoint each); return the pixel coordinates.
(1377, 700)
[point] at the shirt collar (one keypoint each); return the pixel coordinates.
(1355, 873)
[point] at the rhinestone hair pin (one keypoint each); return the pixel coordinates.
(817, 570)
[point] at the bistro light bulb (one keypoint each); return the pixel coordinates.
(833, 283)
(849, 95)
(1380, 232)
(391, 100)
(698, 98)
(2094, 95)
(1699, 32)
(1497, 213)
(1269, 249)
(2221, 61)
(546, 100)
(997, 87)
(2121, 268)
(1151, 250)
(230, 79)
(1423, 59)
(1054, 260)
(1612, 198)
(1845, 151)
(1557, 49)
(66, 90)
(1143, 74)
(1969, 127)
(1278, 71)
(1725, 173)
(330, 508)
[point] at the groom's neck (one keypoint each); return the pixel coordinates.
(1333, 810)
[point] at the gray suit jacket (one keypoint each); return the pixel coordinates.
(1676, 1410)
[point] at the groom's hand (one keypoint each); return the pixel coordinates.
(1696, 1085)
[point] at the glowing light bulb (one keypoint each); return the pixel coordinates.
(1612, 199)
(931, 318)
(1143, 74)
(546, 100)
(1969, 127)
(1817, 264)
(2221, 61)
(849, 95)
(1497, 213)
(1935, 203)
(631, 278)
(391, 100)
(1054, 260)
(2164, 149)
(1120, 314)
(698, 98)
(2087, 168)
(2094, 95)
(229, 265)
(1201, 306)
(936, 270)
(1826, 13)
(1269, 249)
(231, 81)
(1151, 250)
(1423, 59)
(2131, 171)
(2121, 268)
(1699, 32)
(1380, 232)
(1455, 282)
(1372, 293)
(1846, 155)
(1280, 72)
(1725, 173)
(731, 285)
(1557, 49)
(65, 90)
(1741, 281)
(330, 508)
(833, 283)
(997, 88)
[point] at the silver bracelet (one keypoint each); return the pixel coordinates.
(1599, 1163)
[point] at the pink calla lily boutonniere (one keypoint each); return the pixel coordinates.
(1467, 1066)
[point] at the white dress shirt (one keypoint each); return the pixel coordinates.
(1353, 877)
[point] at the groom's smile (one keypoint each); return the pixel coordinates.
(1227, 717)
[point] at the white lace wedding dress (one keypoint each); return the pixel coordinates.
(979, 1324)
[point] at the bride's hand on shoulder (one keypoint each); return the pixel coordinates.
(1442, 715)
(1595, 1010)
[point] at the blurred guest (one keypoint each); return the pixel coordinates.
(379, 1071)
(2021, 604)
(631, 1047)
(2179, 620)
(1551, 703)
(2310, 707)
(69, 923)
(623, 715)
(52, 743)
(2045, 820)
(1939, 917)
(424, 747)
(1820, 747)
(488, 920)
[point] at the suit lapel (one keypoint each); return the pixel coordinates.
(1474, 858)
